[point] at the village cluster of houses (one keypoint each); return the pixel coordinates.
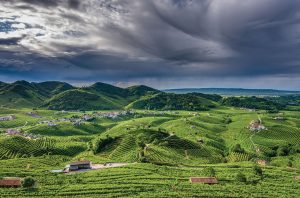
(17, 132)
(34, 114)
(279, 118)
(160, 112)
(256, 125)
(247, 109)
(87, 117)
(7, 118)
(112, 115)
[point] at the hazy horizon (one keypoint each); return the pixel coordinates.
(171, 88)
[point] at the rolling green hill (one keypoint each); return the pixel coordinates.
(60, 95)
(141, 90)
(63, 96)
(168, 101)
(252, 103)
(103, 88)
(51, 88)
(101, 96)
(20, 94)
(79, 99)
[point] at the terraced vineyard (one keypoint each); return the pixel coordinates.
(162, 149)
(19, 147)
(279, 134)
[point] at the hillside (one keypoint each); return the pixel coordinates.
(61, 95)
(234, 91)
(20, 94)
(101, 96)
(107, 89)
(80, 100)
(168, 101)
(97, 96)
(50, 88)
(2, 84)
(158, 150)
(141, 90)
(252, 103)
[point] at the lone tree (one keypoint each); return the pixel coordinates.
(28, 182)
(241, 177)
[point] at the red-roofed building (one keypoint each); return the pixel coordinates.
(262, 162)
(10, 182)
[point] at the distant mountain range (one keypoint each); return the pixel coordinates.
(100, 96)
(234, 91)
(63, 96)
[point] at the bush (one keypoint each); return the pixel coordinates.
(283, 151)
(290, 163)
(257, 170)
(238, 149)
(28, 182)
(241, 177)
(228, 121)
(270, 153)
(209, 171)
(100, 144)
(143, 159)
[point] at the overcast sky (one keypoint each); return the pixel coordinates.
(161, 43)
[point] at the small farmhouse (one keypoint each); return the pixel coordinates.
(204, 180)
(200, 141)
(279, 118)
(7, 118)
(75, 166)
(262, 162)
(11, 132)
(10, 182)
(256, 125)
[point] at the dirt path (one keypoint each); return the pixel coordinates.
(186, 154)
(20, 127)
(99, 167)
(108, 165)
(254, 133)
(254, 145)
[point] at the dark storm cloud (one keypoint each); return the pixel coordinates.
(167, 39)
(49, 3)
(9, 41)
(74, 4)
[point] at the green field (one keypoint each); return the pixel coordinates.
(162, 148)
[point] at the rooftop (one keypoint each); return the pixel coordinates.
(206, 180)
(80, 163)
(10, 182)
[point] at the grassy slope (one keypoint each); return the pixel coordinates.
(139, 179)
(165, 101)
(80, 99)
(146, 180)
